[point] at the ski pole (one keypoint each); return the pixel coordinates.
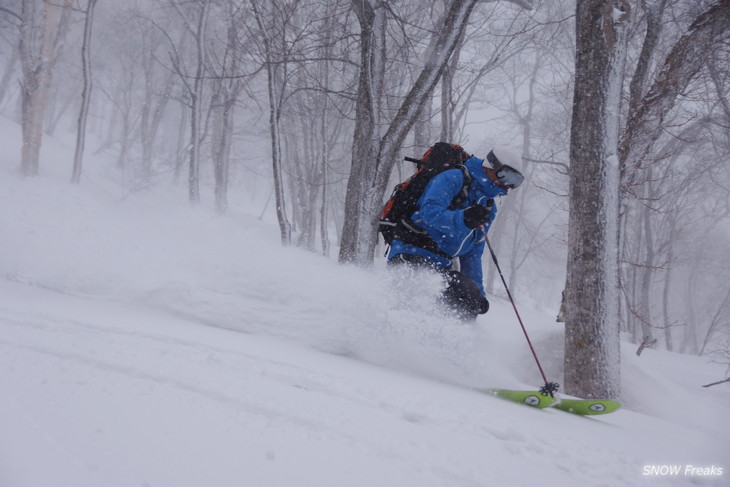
(549, 387)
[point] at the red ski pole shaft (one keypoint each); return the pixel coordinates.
(514, 306)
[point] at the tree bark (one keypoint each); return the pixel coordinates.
(38, 41)
(668, 341)
(85, 93)
(196, 106)
(275, 97)
(591, 318)
(647, 272)
(654, 11)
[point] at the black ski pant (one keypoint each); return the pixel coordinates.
(460, 294)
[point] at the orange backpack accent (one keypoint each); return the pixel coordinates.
(402, 202)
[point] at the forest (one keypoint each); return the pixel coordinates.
(621, 111)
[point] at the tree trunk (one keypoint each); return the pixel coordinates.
(591, 318)
(229, 90)
(689, 341)
(183, 145)
(654, 11)
(9, 74)
(85, 93)
(152, 112)
(196, 107)
(647, 272)
(324, 155)
(37, 55)
(275, 100)
(223, 151)
(358, 213)
(668, 342)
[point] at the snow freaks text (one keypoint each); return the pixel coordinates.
(682, 471)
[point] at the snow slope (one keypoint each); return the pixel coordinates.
(147, 343)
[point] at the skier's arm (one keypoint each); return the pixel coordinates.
(471, 263)
(445, 226)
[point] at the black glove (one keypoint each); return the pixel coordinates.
(476, 215)
(483, 306)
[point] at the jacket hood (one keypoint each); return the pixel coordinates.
(480, 182)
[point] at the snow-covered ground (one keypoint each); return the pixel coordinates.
(147, 343)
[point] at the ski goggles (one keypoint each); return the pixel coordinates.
(509, 176)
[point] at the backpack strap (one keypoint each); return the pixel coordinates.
(464, 192)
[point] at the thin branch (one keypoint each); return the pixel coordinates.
(11, 13)
(717, 383)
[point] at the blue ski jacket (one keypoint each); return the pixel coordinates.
(446, 226)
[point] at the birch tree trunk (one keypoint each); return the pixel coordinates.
(85, 93)
(228, 90)
(591, 296)
(274, 89)
(42, 28)
(125, 135)
(223, 125)
(668, 341)
(196, 100)
(647, 272)
(324, 154)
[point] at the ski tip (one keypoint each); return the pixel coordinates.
(588, 407)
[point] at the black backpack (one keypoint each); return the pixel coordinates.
(395, 223)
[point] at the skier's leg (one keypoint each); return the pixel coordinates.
(463, 296)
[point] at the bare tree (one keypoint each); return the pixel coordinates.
(44, 26)
(591, 295)
(590, 367)
(85, 92)
(682, 64)
(196, 102)
(649, 109)
(227, 85)
(274, 60)
(195, 23)
(158, 88)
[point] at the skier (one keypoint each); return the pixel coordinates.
(456, 229)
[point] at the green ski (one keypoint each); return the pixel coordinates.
(587, 407)
(536, 399)
(530, 398)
